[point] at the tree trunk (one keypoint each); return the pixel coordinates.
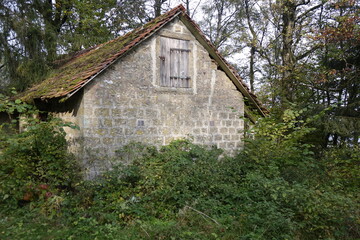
(157, 7)
(288, 60)
(252, 72)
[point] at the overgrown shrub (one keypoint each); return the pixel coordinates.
(35, 163)
(250, 196)
(276, 188)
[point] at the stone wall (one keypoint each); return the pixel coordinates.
(125, 103)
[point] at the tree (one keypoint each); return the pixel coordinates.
(158, 7)
(284, 46)
(336, 79)
(274, 33)
(191, 9)
(307, 53)
(220, 24)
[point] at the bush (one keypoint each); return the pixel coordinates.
(277, 188)
(35, 163)
(251, 196)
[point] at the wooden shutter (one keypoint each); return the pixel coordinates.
(174, 63)
(164, 62)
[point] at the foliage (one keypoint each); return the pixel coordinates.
(9, 111)
(12, 107)
(35, 163)
(277, 188)
(336, 79)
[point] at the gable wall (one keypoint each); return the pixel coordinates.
(128, 92)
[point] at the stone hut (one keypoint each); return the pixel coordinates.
(158, 83)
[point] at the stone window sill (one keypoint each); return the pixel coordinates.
(174, 90)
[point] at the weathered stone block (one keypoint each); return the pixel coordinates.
(199, 139)
(236, 123)
(233, 116)
(116, 131)
(176, 131)
(89, 111)
(198, 124)
(170, 122)
(218, 137)
(140, 113)
(196, 131)
(151, 114)
(156, 122)
(213, 130)
(120, 122)
(189, 124)
(108, 141)
(92, 140)
(116, 112)
(169, 139)
(232, 130)
(101, 131)
(222, 145)
(102, 112)
(224, 130)
(120, 141)
(165, 131)
(235, 137)
(152, 130)
(139, 132)
(129, 131)
(107, 122)
(129, 112)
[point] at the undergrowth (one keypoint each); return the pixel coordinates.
(276, 188)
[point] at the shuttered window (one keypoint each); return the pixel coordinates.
(174, 63)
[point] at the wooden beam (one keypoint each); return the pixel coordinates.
(249, 114)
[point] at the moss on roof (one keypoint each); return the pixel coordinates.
(74, 74)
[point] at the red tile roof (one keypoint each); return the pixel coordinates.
(83, 66)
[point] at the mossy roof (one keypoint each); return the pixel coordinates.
(80, 68)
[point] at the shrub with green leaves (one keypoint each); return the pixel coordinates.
(263, 193)
(276, 188)
(34, 163)
(35, 160)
